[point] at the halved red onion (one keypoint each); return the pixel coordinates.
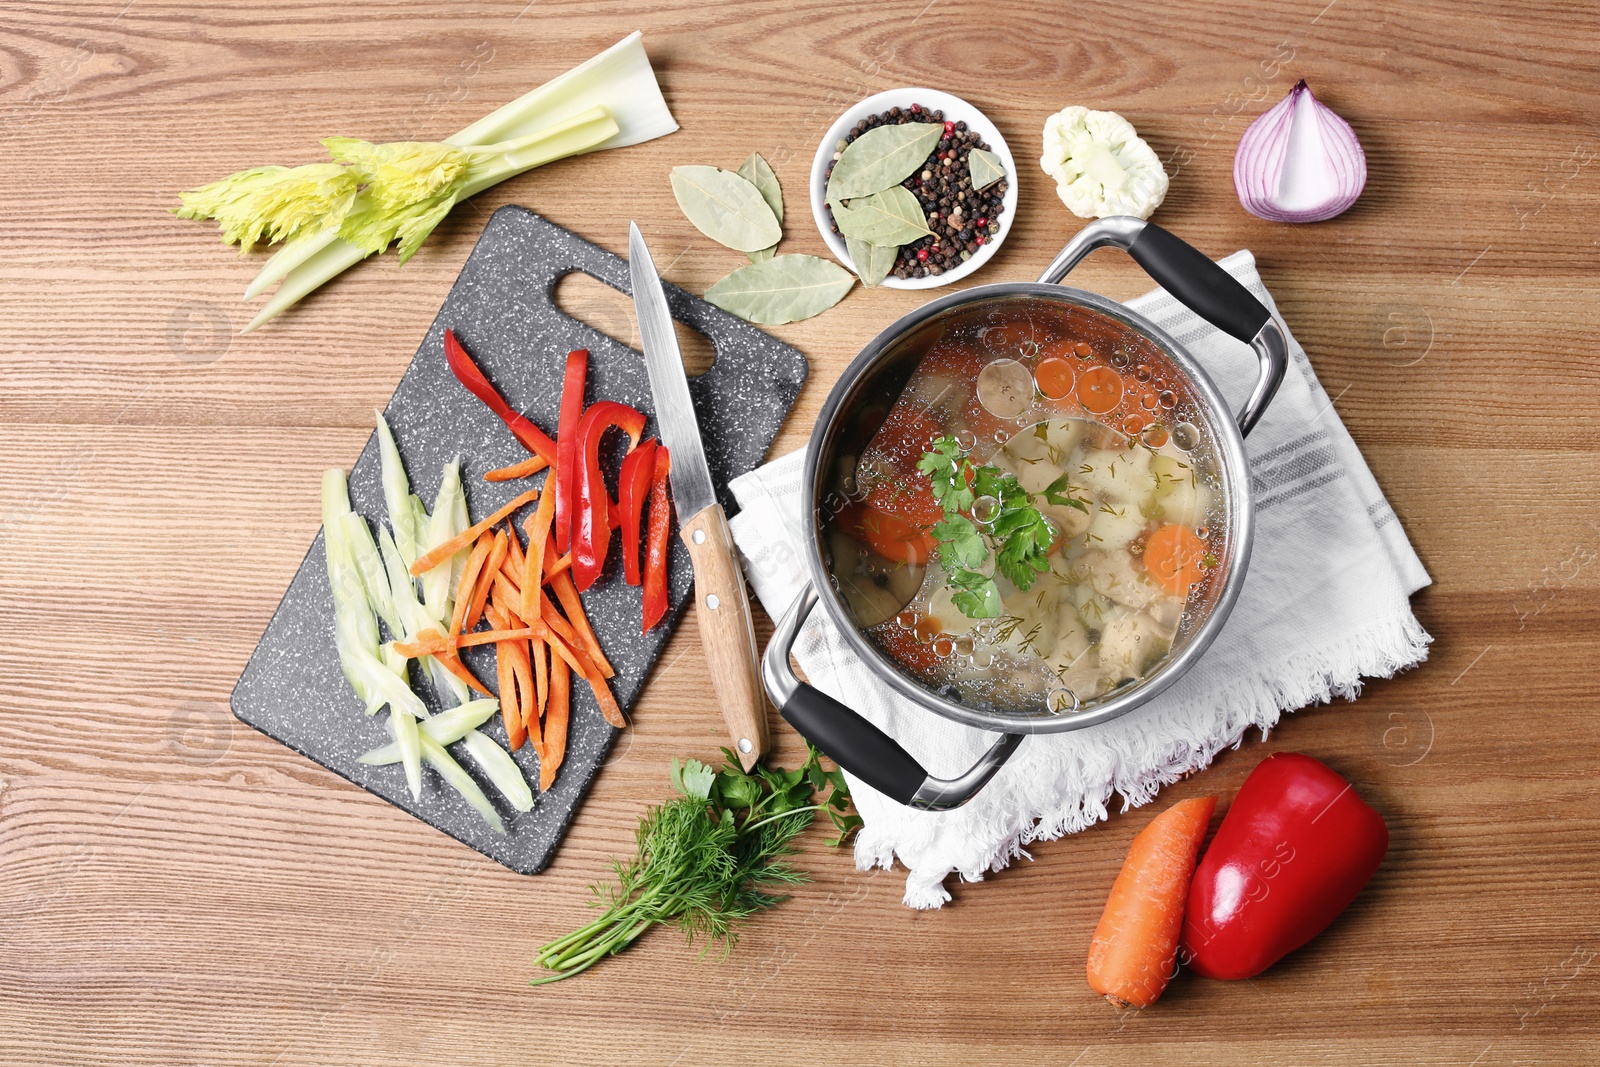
(1299, 162)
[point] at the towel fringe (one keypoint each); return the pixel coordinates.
(1159, 750)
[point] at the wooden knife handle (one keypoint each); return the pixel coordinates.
(723, 609)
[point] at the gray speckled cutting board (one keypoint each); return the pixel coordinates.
(503, 309)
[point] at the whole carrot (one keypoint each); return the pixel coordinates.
(1135, 947)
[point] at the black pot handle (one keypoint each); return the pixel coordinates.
(856, 744)
(1200, 285)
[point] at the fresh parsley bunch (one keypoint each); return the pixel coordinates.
(1017, 536)
(708, 858)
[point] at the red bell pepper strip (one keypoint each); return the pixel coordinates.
(591, 538)
(633, 487)
(1293, 851)
(567, 455)
(655, 559)
(467, 373)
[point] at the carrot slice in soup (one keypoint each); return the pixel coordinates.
(1173, 555)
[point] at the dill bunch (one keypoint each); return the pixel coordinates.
(707, 860)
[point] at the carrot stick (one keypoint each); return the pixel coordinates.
(513, 581)
(506, 588)
(469, 579)
(429, 560)
(485, 580)
(506, 664)
(517, 651)
(523, 671)
(513, 561)
(555, 724)
(554, 619)
(541, 670)
(1135, 947)
(454, 665)
(607, 702)
(530, 466)
(446, 658)
(510, 711)
(444, 646)
(555, 565)
(572, 656)
(567, 593)
(537, 528)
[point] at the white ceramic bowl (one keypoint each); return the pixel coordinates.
(955, 110)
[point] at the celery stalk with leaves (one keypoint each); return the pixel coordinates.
(327, 217)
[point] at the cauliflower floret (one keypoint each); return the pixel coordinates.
(1113, 576)
(1101, 165)
(1122, 475)
(1180, 496)
(1129, 643)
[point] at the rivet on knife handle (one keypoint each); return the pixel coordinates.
(726, 632)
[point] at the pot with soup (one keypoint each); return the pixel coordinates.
(1027, 510)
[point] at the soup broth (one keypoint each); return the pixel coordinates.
(1095, 425)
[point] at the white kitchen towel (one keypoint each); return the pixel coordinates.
(1325, 604)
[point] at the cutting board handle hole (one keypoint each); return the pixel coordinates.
(597, 305)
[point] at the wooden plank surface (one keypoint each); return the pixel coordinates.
(175, 889)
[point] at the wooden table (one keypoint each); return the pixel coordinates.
(177, 889)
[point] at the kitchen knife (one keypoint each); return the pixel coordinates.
(720, 601)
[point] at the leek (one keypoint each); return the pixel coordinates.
(330, 216)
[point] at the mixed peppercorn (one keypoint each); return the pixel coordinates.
(962, 219)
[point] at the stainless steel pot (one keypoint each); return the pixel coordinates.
(858, 745)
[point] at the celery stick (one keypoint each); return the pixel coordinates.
(447, 728)
(354, 626)
(409, 741)
(374, 577)
(397, 492)
(582, 133)
(502, 770)
(329, 262)
(290, 255)
(459, 521)
(460, 781)
(448, 520)
(620, 79)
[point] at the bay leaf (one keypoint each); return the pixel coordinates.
(872, 262)
(759, 173)
(782, 289)
(985, 168)
(725, 207)
(892, 216)
(881, 158)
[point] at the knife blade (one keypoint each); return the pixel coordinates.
(722, 605)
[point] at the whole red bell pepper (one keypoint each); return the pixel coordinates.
(467, 373)
(655, 553)
(1294, 849)
(568, 463)
(591, 538)
(633, 487)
